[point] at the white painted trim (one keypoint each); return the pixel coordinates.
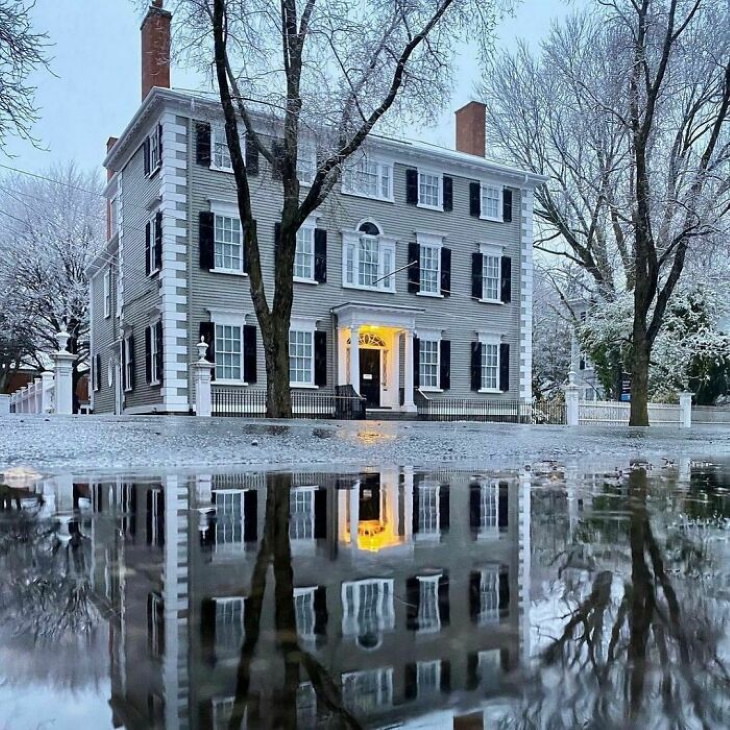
(525, 294)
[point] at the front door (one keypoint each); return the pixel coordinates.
(370, 377)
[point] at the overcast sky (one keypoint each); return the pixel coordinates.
(96, 87)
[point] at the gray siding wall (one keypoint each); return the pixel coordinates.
(458, 315)
(104, 333)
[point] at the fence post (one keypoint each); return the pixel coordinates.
(202, 371)
(4, 404)
(46, 392)
(572, 405)
(38, 400)
(685, 409)
(63, 365)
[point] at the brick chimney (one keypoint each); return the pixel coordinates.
(471, 122)
(155, 48)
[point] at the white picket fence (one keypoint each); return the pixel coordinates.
(615, 413)
(36, 397)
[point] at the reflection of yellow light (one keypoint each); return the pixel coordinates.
(373, 437)
(374, 536)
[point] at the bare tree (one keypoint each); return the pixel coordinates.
(21, 52)
(324, 73)
(627, 110)
(52, 227)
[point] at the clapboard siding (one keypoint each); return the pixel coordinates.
(103, 338)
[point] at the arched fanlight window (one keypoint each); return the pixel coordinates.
(369, 228)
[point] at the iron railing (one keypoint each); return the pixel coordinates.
(549, 412)
(472, 409)
(252, 403)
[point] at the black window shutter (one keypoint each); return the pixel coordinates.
(410, 681)
(416, 362)
(160, 359)
(416, 497)
(132, 363)
(506, 280)
(504, 367)
(412, 186)
(414, 269)
(277, 235)
(476, 275)
(507, 205)
(476, 365)
(148, 517)
(249, 353)
(320, 255)
(252, 155)
(277, 150)
(202, 146)
(159, 144)
(443, 591)
(147, 247)
(448, 193)
(320, 611)
(475, 589)
(206, 233)
(475, 498)
(445, 364)
(320, 514)
(413, 598)
(472, 671)
(320, 358)
(98, 371)
(444, 512)
(445, 676)
(503, 593)
(250, 516)
(146, 155)
(503, 506)
(158, 239)
(124, 368)
(207, 334)
(148, 354)
(207, 628)
(475, 199)
(446, 272)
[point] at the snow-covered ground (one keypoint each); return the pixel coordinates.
(154, 443)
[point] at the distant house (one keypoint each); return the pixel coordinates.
(416, 274)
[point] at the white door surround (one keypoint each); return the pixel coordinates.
(382, 327)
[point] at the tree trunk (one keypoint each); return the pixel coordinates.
(276, 355)
(639, 375)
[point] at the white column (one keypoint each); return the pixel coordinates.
(355, 358)
(47, 392)
(38, 388)
(685, 410)
(572, 415)
(408, 405)
(63, 359)
(341, 356)
(202, 372)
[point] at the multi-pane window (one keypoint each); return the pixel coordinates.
(154, 355)
(429, 189)
(128, 363)
(306, 163)
(219, 148)
(368, 259)
(304, 257)
(428, 510)
(107, 293)
(228, 518)
(368, 608)
(228, 244)
(429, 619)
(428, 677)
(301, 511)
(152, 262)
(154, 150)
(228, 352)
(304, 611)
(430, 269)
(429, 363)
(301, 359)
(368, 691)
(369, 177)
(488, 508)
(489, 610)
(491, 277)
(491, 200)
(156, 625)
(490, 365)
(229, 631)
(367, 254)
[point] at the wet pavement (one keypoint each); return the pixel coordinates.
(551, 595)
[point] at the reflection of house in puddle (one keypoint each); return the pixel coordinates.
(409, 589)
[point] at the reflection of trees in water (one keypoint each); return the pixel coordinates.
(643, 647)
(48, 620)
(275, 549)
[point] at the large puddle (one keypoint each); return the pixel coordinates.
(548, 597)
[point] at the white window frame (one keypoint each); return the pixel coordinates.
(489, 339)
(306, 163)
(353, 593)
(228, 211)
(490, 250)
(128, 367)
(355, 684)
(224, 647)
(158, 497)
(488, 509)
(154, 375)
(219, 147)
(429, 612)
(156, 635)
(430, 530)
(351, 241)
(433, 242)
(224, 542)
(353, 173)
(304, 601)
(307, 326)
(483, 188)
(294, 523)
(107, 293)
(228, 318)
(151, 253)
(440, 191)
(431, 339)
(153, 149)
(489, 594)
(307, 228)
(428, 678)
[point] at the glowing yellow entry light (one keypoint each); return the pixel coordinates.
(374, 536)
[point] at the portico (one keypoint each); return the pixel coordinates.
(380, 364)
